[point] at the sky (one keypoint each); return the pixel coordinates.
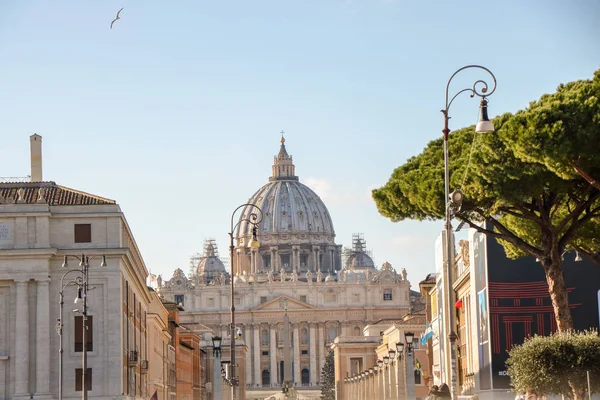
(175, 112)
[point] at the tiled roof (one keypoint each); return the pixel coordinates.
(53, 194)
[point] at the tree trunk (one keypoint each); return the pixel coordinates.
(558, 294)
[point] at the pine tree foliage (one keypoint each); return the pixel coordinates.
(520, 181)
(557, 364)
(328, 378)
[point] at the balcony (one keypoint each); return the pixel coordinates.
(144, 366)
(133, 359)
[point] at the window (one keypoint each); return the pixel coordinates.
(331, 333)
(355, 366)
(417, 377)
(238, 301)
(83, 233)
(355, 297)
(89, 333)
(265, 353)
(304, 336)
(179, 299)
(210, 302)
(79, 379)
(264, 337)
(387, 294)
(303, 298)
(357, 331)
(304, 352)
(263, 299)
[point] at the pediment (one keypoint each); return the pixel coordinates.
(292, 305)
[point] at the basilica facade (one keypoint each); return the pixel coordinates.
(298, 270)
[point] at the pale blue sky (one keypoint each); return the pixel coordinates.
(176, 111)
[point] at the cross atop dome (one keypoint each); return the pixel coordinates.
(283, 166)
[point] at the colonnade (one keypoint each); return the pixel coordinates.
(314, 258)
(23, 341)
(381, 381)
(256, 362)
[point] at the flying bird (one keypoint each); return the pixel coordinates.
(117, 18)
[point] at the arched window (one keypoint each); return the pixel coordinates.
(304, 336)
(331, 333)
(357, 331)
(266, 377)
(264, 337)
(305, 376)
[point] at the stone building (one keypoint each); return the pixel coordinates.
(41, 222)
(299, 266)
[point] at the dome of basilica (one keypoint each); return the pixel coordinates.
(288, 206)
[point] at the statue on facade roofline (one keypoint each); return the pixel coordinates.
(319, 276)
(270, 276)
(282, 275)
(404, 274)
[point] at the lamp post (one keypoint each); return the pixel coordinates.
(254, 216)
(452, 203)
(81, 281)
(216, 365)
(411, 390)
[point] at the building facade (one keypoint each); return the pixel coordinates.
(298, 270)
(41, 223)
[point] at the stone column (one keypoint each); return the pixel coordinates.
(238, 262)
(42, 337)
(248, 340)
(257, 352)
(297, 375)
(314, 373)
(315, 251)
(22, 339)
(332, 259)
(322, 348)
(273, 353)
(274, 259)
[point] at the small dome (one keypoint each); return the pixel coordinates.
(359, 257)
(210, 265)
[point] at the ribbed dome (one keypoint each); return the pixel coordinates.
(288, 206)
(210, 265)
(359, 261)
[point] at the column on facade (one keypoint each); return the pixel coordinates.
(313, 354)
(315, 264)
(238, 262)
(22, 338)
(332, 258)
(273, 353)
(42, 357)
(297, 376)
(256, 349)
(322, 348)
(248, 340)
(274, 259)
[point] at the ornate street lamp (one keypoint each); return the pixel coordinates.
(254, 217)
(453, 201)
(81, 281)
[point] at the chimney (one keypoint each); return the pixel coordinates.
(36, 157)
